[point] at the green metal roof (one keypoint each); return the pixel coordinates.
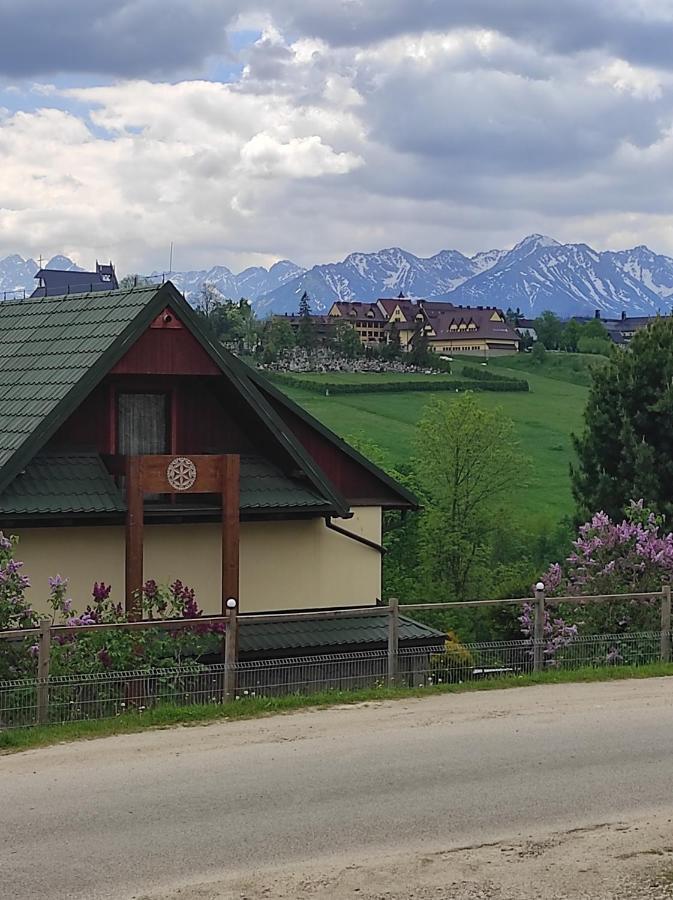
(47, 347)
(262, 637)
(263, 486)
(79, 483)
(62, 483)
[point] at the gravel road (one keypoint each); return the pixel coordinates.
(552, 791)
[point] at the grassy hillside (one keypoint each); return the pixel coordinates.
(574, 368)
(544, 419)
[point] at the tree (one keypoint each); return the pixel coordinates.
(419, 355)
(131, 281)
(595, 329)
(278, 336)
(572, 332)
(538, 353)
(346, 340)
(548, 328)
(626, 448)
(469, 462)
(395, 343)
(306, 336)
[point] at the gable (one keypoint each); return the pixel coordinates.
(166, 348)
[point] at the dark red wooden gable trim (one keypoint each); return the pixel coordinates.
(357, 484)
(166, 348)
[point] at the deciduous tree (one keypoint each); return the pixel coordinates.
(468, 462)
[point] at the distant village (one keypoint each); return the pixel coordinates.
(437, 327)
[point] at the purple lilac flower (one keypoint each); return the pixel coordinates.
(151, 589)
(101, 591)
(614, 656)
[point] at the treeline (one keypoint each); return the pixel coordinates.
(571, 336)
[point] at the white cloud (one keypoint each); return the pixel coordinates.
(307, 157)
(637, 81)
(462, 135)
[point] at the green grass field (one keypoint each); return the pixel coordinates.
(575, 368)
(544, 419)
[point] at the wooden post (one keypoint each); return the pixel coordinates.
(44, 648)
(666, 623)
(393, 639)
(538, 635)
(231, 487)
(230, 653)
(134, 537)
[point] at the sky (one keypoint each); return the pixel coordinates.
(246, 131)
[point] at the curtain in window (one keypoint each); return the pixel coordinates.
(142, 424)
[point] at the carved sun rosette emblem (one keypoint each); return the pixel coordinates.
(181, 473)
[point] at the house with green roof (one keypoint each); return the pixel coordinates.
(133, 447)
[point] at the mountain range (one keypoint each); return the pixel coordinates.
(536, 274)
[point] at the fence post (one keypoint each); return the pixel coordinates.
(666, 623)
(230, 644)
(393, 639)
(44, 648)
(538, 634)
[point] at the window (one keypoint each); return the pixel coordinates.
(142, 424)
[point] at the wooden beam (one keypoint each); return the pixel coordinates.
(134, 536)
(231, 488)
(207, 477)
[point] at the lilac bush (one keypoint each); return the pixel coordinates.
(122, 650)
(558, 634)
(16, 658)
(93, 651)
(634, 555)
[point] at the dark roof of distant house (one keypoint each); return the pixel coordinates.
(56, 282)
(55, 350)
(358, 310)
(436, 306)
(525, 323)
(407, 307)
(480, 317)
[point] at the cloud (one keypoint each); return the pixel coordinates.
(127, 38)
(437, 124)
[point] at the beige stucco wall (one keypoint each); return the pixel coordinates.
(284, 565)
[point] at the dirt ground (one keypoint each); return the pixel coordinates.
(615, 861)
(560, 791)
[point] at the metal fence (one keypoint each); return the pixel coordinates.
(70, 698)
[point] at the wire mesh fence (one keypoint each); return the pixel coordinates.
(69, 698)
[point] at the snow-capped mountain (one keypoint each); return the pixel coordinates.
(571, 279)
(368, 276)
(538, 273)
(250, 283)
(17, 275)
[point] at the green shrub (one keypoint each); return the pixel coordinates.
(368, 387)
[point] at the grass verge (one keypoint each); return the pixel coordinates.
(167, 715)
